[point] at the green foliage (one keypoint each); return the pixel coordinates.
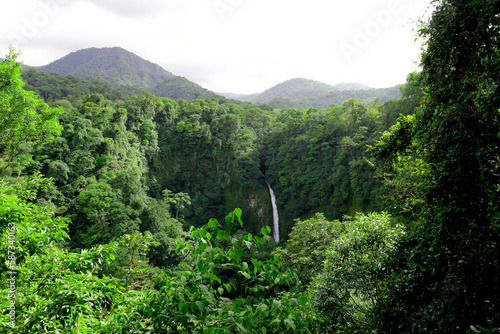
(96, 201)
(53, 288)
(25, 121)
(179, 200)
(137, 245)
(315, 161)
(181, 88)
(204, 151)
(61, 292)
(250, 301)
(404, 171)
(21, 218)
(100, 167)
(57, 290)
(450, 178)
(122, 170)
(54, 88)
(305, 250)
(354, 275)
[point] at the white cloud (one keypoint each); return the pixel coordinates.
(254, 45)
(133, 8)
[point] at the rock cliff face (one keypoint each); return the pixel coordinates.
(256, 206)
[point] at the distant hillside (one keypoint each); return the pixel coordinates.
(339, 97)
(352, 86)
(181, 88)
(115, 65)
(241, 97)
(304, 93)
(295, 90)
(128, 73)
(122, 69)
(53, 87)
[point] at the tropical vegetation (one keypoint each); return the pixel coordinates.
(126, 212)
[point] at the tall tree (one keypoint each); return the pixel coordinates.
(456, 133)
(25, 120)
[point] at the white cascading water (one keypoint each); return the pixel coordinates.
(276, 218)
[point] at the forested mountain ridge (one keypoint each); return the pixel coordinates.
(116, 65)
(121, 69)
(55, 87)
(295, 89)
(242, 97)
(304, 93)
(180, 87)
(338, 97)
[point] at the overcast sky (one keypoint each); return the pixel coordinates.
(237, 46)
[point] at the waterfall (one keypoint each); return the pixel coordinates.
(276, 218)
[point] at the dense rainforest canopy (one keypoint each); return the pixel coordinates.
(125, 212)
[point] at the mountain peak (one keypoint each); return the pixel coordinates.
(352, 86)
(296, 89)
(112, 64)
